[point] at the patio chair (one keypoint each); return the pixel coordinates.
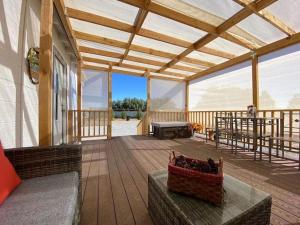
(51, 189)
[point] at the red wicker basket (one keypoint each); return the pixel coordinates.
(205, 186)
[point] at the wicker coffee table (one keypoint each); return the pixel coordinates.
(244, 205)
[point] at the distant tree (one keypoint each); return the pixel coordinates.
(129, 104)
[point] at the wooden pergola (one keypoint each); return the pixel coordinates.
(151, 62)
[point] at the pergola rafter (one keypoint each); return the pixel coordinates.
(192, 53)
(124, 45)
(94, 51)
(294, 39)
(236, 18)
(187, 20)
(129, 66)
(267, 16)
(124, 71)
(139, 20)
(103, 21)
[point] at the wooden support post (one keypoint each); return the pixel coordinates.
(109, 127)
(148, 101)
(255, 82)
(45, 79)
(79, 98)
(187, 83)
(70, 126)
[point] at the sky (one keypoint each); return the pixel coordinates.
(124, 86)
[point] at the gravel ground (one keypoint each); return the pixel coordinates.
(124, 128)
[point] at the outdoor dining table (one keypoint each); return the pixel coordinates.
(254, 128)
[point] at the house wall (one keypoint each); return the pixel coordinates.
(19, 31)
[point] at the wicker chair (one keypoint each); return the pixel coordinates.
(31, 162)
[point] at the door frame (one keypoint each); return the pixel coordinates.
(56, 54)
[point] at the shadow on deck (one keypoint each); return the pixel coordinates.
(115, 177)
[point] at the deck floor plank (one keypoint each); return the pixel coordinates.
(115, 174)
(90, 204)
(106, 208)
(123, 210)
(138, 207)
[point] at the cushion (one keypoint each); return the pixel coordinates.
(9, 179)
(49, 200)
(170, 124)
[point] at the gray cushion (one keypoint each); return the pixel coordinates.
(170, 124)
(48, 200)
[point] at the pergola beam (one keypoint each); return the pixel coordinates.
(190, 21)
(236, 18)
(142, 74)
(120, 44)
(285, 42)
(100, 20)
(139, 20)
(134, 58)
(267, 16)
(129, 66)
(60, 7)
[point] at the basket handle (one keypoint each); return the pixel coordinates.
(170, 156)
(220, 165)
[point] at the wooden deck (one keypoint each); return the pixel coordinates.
(115, 178)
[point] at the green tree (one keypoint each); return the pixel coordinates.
(129, 104)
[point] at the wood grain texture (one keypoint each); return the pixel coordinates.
(45, 78)
(124, 163)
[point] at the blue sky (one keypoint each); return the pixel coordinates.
(128, 86)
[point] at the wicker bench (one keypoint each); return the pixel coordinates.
(51, 189)
(244, 205)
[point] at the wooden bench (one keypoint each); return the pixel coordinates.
(244, 205)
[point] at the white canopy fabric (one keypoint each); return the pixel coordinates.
(167, 95)
(170, 36)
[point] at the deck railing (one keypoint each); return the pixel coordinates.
(93, 123)
(163, 116)
(289, 127)
(290, 117)
(142, 127)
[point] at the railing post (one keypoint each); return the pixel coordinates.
(187, 83)
(79, 94)
(109, 125)
(45, 78)
(70, 126)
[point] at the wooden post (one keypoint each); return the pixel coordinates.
(79, 98)
(255, 82)
(148, 101)
(187, 83)
(70, 126)
(45, 79)
(109, 126)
